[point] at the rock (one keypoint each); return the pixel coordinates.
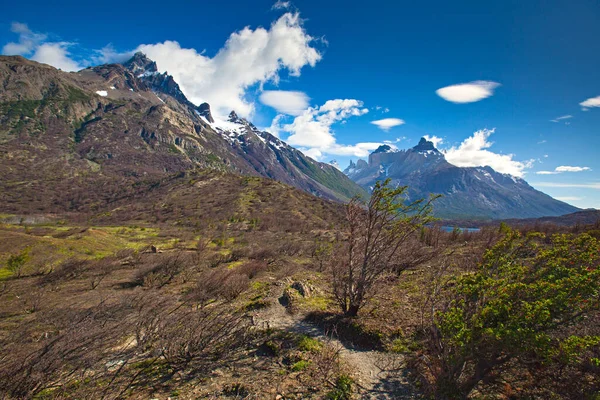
(303, 288)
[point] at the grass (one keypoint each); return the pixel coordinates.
(316, 303)
(300, 365)
(5, 274)
(306, 343)
(50, 245)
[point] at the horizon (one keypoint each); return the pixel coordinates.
(514, 87)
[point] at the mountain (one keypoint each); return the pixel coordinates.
(471, 192)
(69, 139)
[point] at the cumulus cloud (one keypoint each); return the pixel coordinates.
(57, 55)
(558, 119)
(564, 168)
(472, 152)
(468, 92)
(591, 102)
(313, 127)
(312, 131)
(434, 139)
(388, 123)
(285, 102)
(37, 47)
(250, 57)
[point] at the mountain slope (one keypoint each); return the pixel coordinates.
(62, 134)
(478, 192)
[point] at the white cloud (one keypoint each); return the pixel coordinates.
(468, 92)
(28, 40)
(591, 102)
(397, 140)
(312, 129)
(567, 168)
(434, 139)
(285, 102)
(472, 153)
(35, 45)
(590, 185)
(281, 5)
(561, 118)
(311, 132)
(108, 55)
(387, 123)
(57, 55)
(564, 168)
(569, 198)
(249, 57)
(275, 127)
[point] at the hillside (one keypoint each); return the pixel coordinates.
(68, 135)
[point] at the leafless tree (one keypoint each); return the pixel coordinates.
(376, 232)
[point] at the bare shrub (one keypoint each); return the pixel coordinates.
(375, 235)
(70, 269)
(164, 269)
(200, 336)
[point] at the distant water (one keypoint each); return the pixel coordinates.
(451, 228)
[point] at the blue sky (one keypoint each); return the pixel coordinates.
(320, 73)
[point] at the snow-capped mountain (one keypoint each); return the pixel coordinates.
(467, 192)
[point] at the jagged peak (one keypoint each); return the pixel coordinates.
(425, 145)
(140, 63)
(204, 110)
(384, 148)
(233, 117)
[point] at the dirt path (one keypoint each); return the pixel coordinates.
(379, 375)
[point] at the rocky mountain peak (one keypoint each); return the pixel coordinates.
(233, 117)
(204, 110)
(384, 148)
(140, 63)
(424, 145)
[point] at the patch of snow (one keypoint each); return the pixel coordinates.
(278, 146)
(234, 129)
(131, 89)
(387, 170)
(262, 139)
(112, 88)
(148, 73)
(102, 93)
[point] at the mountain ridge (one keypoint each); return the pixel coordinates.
(468, 192)
(111, 123)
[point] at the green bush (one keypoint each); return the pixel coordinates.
(15, 263)
(342, 390)
(516, 306)
(307, 343)
(300, 365)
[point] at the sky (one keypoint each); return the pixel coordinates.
(510, 84)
